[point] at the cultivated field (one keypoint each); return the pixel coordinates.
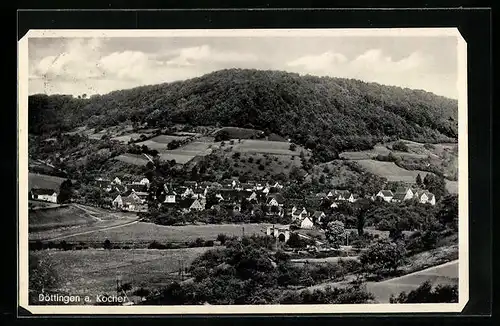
(264, 147)
(132, 159)
(94, 271)
(147, 232)
(390, 171)
(44, 181)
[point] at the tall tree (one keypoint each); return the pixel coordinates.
(65, 191)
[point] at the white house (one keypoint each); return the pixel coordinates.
(386, 195)
(118, 202)
(266, 190)
(144, 181)
(169, 198)
(116, 181)
(296, 215)
(334, 205)
(48, 195)
(306, 223)
(425, 197)
(253, 196)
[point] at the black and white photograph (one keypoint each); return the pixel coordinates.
(243, 171)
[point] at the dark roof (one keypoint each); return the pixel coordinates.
(190, 183)
(43, 191)
(137, 187)
(186, 203)
(399, 196)
(402, 190)
(279, 197)
(387, 193)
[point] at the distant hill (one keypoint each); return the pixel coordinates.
(325, 114)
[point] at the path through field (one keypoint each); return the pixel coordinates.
(95, 230)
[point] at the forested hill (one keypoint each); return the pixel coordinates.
(333, 112)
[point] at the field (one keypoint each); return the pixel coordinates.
(264, 147)
(93, 271)
(44, 181)
(147, 232)
(164, 139)
(54, 223)
(240, 133)
(132, 159)
(50, 218)
(390, 171)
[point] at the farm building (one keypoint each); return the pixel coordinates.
(386, 195)
(47, 195)
(298, 215)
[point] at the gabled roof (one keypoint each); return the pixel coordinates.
(402, 190)
(321, 195)
(399, 196)
(43, 191)
(186, 203)
(317, 214)
(277, 196)
(131, 200)
(387, 193)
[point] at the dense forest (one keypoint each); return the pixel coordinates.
(318, 112)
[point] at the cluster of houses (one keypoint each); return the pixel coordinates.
(403, 194)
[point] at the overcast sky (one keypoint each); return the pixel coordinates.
(100, 65)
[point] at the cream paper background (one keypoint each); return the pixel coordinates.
(242, 309)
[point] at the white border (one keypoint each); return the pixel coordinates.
(245, 309)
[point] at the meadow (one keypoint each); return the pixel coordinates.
(94, 271)
(55, 223)
(133, 159)
(145, 233)
(390, 171)
(265, 147)
(36, 180)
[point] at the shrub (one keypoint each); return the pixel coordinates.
(426, 294)
(383, 256)
(156, 245)
(400, 146)
(221, 238)
(107, 244)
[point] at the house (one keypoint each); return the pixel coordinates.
(48, 195)
(306, 223)
(191, 184)
(170, 198)
(103, 183)
(118, 202)
(318, 216)
(247, 187)
(342, 195)
(138, 187)
(253, 197)
(275, 200)
(425, 197)
(402, 194)
(144, 181)
(334, 205)
(276, 185)
(131, 203)
(185, 192)
(142, 196)
(116, 181)
(190, 204)
(298, 215)
(386, 195)
(266, 190)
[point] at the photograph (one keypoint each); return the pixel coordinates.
(243, 171)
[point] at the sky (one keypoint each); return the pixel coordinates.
(90, 66)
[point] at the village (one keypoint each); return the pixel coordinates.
(231, 194)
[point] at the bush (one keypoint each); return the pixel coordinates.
(383, 256)
(426, 294)
(107, 244)
(156, 245)
(221, 238)
(400, 146)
